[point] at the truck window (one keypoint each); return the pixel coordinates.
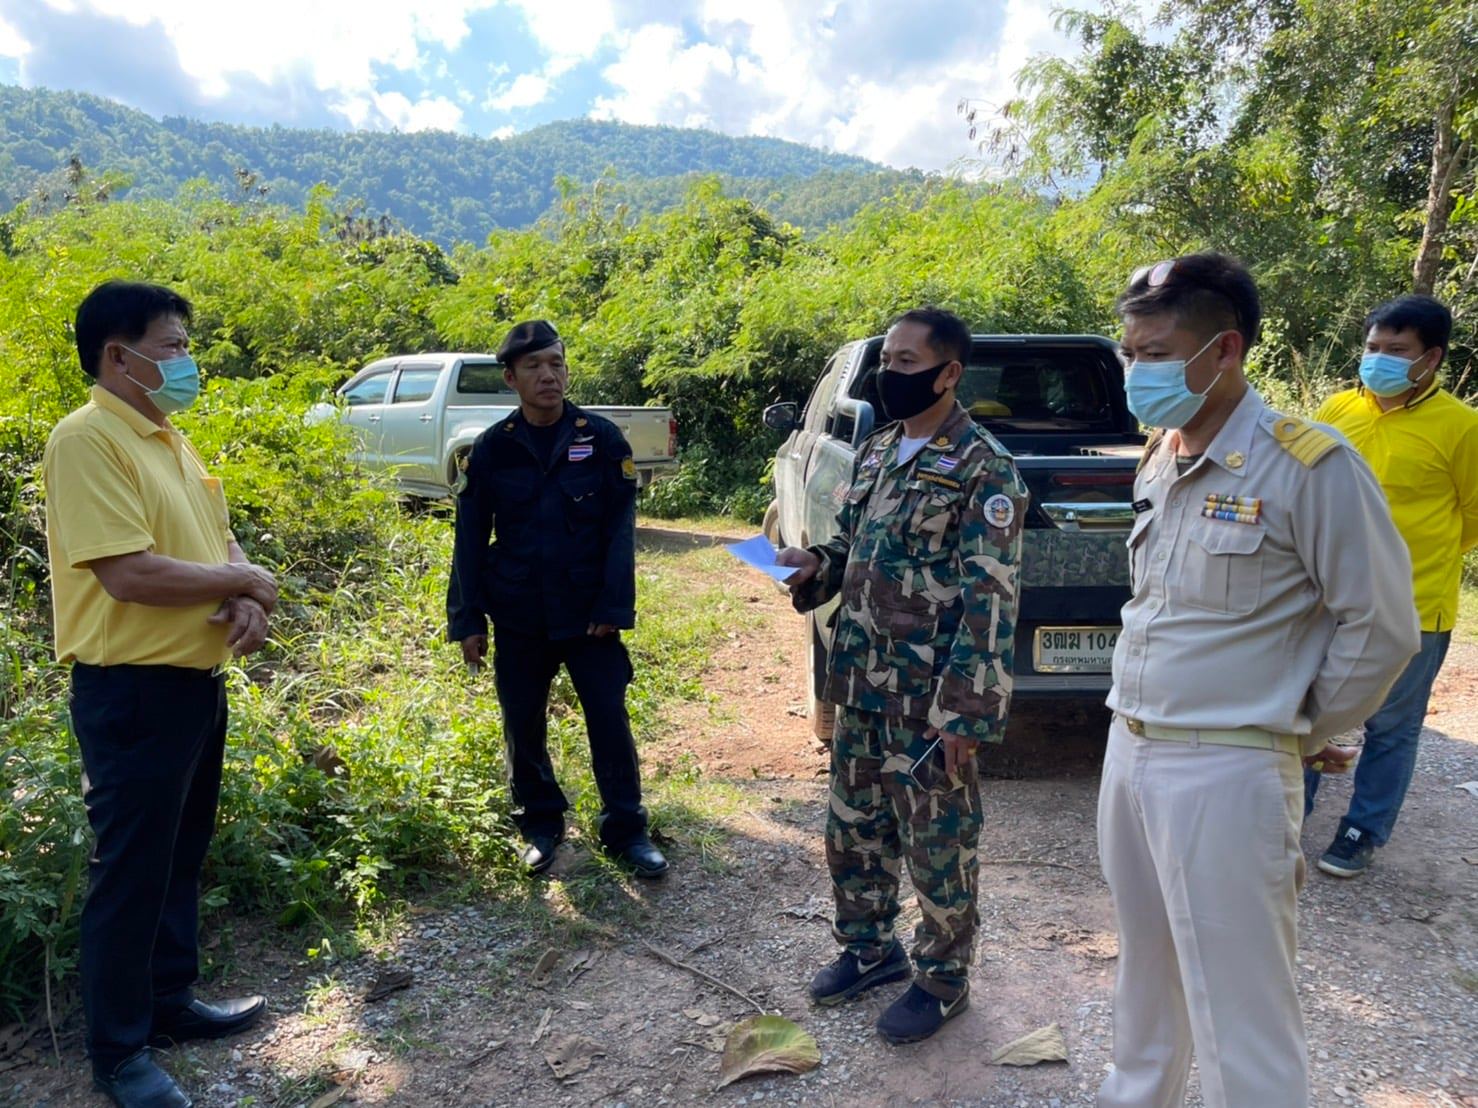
(416, 383)
(369, 391)
(818, 408)
(1066, 388)
(480, 378)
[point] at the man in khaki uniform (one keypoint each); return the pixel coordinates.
(1272, 610)
(151, 597)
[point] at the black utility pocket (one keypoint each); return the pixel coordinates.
(582, 496)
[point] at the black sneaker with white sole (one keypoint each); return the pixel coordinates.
(917, 1014)
(849, 975)
(1349, 855)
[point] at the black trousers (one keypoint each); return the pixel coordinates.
(600, 670)
(152, 740)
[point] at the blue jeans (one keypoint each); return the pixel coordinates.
(1384, 769)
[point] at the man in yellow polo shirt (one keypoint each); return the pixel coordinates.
(1422, 443)
(151, 597)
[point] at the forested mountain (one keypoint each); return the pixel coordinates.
(444, 186)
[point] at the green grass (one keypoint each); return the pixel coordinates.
(359, 675)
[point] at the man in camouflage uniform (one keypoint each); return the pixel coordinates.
(925, 559)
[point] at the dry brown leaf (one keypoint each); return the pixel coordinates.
(572, 1054)
(390, 980)
(333, 1096)
(713, 1039)
(543, 1026)
(327, 761)
(544, 969)
(582, 961)
(1045, 1044)
(704, 1019)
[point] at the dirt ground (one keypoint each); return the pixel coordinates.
(1388, 973)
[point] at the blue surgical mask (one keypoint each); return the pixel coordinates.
(1158, 395)
(180, 382)
(1386, 374)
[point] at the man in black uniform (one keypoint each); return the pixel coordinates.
(555, 488)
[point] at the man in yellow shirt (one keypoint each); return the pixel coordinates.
(151, 597)
(1422, 443)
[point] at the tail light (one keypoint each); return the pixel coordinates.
(672, 436)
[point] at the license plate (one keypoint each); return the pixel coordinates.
(1074, 649)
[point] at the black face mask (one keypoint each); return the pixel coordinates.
(905, 395)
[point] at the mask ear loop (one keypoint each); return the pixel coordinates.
(1207, 390)
(1417, 386)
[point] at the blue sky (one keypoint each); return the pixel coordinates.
(876, 78)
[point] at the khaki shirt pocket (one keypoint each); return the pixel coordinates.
(1136, 545)
(1221, 567)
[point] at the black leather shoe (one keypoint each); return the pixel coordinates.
(641, 858)
(138, 1083)
(538, 856)
(200, 1020)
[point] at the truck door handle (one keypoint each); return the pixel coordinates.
(1089, 515)
(372, 419)
(427, 418)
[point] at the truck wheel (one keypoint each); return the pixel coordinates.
(823, 713)
(770, 528)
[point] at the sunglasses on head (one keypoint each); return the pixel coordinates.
(1155, 274)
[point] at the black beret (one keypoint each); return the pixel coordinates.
(525, 338)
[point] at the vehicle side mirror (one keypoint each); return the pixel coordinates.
(783, 417)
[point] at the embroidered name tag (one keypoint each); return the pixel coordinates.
(578, 453)
(1233, 509)
(940, 479)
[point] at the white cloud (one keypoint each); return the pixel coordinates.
(663, 80)
(869, 77)
(569, 28)
(503, 132)
(12, 43)
(337, 43)
(430, 113)
(526, 90)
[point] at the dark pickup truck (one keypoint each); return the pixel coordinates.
(1057, 403)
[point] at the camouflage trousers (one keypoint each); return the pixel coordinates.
(879, 816)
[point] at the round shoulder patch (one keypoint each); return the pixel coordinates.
(1000, 511)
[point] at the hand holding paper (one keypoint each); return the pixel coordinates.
(760, 553)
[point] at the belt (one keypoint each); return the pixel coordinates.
(1253, 738)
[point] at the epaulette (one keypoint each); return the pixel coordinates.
(1304, 440)
(1150, 446)
(992, 443)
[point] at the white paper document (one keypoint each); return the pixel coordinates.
(760, 553)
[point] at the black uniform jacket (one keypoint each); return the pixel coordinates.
(563, 552)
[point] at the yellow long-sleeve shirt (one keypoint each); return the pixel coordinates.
(1425, 455)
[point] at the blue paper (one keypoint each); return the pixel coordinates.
(760, 553)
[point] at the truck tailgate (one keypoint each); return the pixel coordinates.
(650, 431)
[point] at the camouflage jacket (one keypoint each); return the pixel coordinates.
(925, 559)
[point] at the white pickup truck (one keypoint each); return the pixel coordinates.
(415, 415)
